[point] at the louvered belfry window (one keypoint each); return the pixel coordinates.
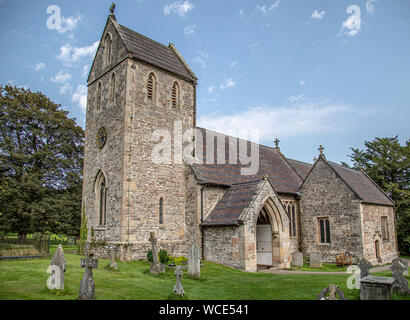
(150, 87)
(175, 95)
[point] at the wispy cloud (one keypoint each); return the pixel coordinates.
(68, 24)
(180, 8)
(266, 8)
(65, 88)
(307, 118)
(228, 83)
(256, 47)
(318, 15)
(201, 58)
(189, 30)
(69, 54)
(61, 77)
(39, 66)
(80, 97)
(211, 89)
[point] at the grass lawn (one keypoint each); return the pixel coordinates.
(26, 279)
(326, 267)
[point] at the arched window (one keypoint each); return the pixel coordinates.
(112, 88)
(101, 198)
(98, 103)
(175, 93)
(151, 87)
(161, 211)
(107, 49)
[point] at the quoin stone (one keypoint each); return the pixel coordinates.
(297, 259)
(315, 260)
(58, 261)
(194, 262)
(87, 285)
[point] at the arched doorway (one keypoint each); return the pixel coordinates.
(264, 256)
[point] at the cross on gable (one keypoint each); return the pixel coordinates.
(277, 142)
(112, 8)
(321, 150)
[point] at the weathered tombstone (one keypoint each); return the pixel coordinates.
(194, 263)
(375, 288)
(113, 263)
(87, 285)
(178, 289)
(364, 266)
(315, 260)
(405, 263)
(155, 267)
(332, 289)
(58, 267)
(297, 259)
(400, 283)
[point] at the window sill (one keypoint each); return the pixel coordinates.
(323, 244)
(100, 228)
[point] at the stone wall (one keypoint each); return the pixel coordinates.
(371, 221)
(225, 245)
(324, 194)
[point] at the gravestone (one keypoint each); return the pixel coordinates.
(113, 263)
(156, 266)
(406, 264)
(58, 267)
(315, 260)
(178, 289)
(375, 288)
(194, 263)
(297, 259)
(400, 283)
(87, 285)
(333, 290)
(364, 266)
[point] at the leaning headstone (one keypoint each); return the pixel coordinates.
(194, 263)
(364, 266)
(87, 285)
(156, 266)
(400, 283)
(333, 290)
(58, 267)
(315, 260)
(297, 259)
(113, 263)
(178, 289)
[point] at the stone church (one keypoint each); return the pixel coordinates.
(138, 86)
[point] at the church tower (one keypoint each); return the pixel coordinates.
(138, 92)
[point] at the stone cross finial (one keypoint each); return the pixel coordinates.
(112, 8)
(398, 267)
(277, 143)
(321, 150)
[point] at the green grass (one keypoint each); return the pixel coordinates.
(26, 279)
(326, 267)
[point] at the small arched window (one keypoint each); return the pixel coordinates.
(98, 103)
(161, 211)
(175, 93)
(151, 87)
(107, 49)
(112, 88)
(101, 198)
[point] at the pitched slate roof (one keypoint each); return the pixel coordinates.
(229, 208)
(301, 168)
(152, 52)
(271, 163)
(365, 188)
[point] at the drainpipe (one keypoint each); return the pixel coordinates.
(202, 220)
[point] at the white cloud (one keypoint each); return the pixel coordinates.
(85, 70)
(61, 77)
(228, 83)
(189, 30)
(39, 66)
(318, 15)
(297, 119)
(256, 47)
(211, 89)
(200, 61)
(242, 13)
(70, 54)
(68, 24)
(80, 96)
(265, 8)
(65, 88)
(180, 8)
(370, 6)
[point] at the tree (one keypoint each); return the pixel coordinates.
(41, 154)
(387, 163)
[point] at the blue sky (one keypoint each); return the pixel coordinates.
(309, 72)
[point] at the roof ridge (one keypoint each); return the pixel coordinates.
(246, 182)
(343, 167)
